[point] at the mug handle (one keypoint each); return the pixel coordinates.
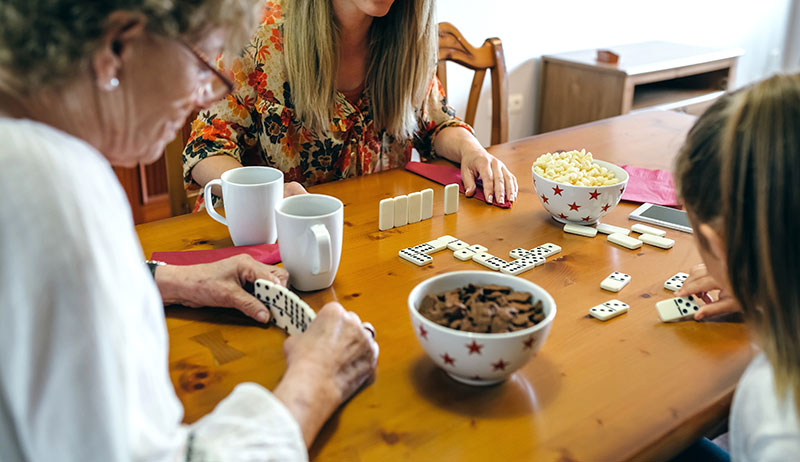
(209, 206)
(322, 262)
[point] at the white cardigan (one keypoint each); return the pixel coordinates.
(83, 340)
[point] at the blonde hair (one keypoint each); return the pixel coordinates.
(48, 42)
(402, 56)
(739, 170)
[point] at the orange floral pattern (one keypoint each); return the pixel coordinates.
(257, 124)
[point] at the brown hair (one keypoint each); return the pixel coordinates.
(402, 56)
(739, 171)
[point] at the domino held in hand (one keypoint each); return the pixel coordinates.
(288, 311)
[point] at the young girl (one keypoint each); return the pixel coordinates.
(739, 175)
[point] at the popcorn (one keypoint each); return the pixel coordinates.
(575, 168)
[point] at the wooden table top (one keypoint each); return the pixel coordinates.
(630, 388)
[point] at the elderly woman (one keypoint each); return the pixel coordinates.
(331, 89)
(86, 85)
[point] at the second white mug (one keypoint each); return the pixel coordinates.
(310, 239)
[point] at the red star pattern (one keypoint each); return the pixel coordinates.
(422, 332)
(557, 191)
(606, 207)
(622, 190)
(594, 195)
(586, 218)
(574, 206)
(448, 360)
(544, 198)
(474, 347)
(528, 343)
(562, 216)
(500, 365)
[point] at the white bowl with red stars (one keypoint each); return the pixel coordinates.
(582, 205)
(472, 358)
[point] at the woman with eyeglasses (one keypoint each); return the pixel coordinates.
(332, 89)
(85, 86)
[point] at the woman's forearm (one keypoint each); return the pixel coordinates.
(452, 142)
(212, 168)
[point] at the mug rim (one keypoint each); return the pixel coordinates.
(279, 208)
(227, 173)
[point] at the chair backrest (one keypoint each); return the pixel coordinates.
(453, 47)
(180, 201)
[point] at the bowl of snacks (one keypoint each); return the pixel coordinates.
(575, 188)
(480, 326)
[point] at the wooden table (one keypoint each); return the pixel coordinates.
(630, 388)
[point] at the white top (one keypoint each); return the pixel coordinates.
(83, 340)
(763, 428)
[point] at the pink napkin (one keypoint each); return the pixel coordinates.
(446, 174)
(265, 253)
(653, 186)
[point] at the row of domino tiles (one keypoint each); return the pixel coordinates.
(412, 208)
(620, 236)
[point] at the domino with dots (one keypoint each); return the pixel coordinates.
(608, 310)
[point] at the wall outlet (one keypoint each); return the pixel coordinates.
(515, 102)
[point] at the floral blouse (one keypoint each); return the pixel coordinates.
(257, 124)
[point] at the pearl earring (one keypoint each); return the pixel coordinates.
(112, 84)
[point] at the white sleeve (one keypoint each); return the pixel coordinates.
(83, 345)
(250, 424)
(61, 377)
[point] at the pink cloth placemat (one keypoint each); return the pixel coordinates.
(265, 253)
(446, 174)
(653, 186)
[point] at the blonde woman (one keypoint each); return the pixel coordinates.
(331, 89)
(84, 86)
(738, 174)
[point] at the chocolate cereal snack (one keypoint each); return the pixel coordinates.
(483, 309)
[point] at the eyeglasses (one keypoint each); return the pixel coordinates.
(214, 88)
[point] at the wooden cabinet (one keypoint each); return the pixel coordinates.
(575, 88)
(155, 191)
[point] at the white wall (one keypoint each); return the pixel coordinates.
(531, 28)
(791, 61)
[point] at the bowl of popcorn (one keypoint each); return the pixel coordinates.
(575, 188)
(480, 326)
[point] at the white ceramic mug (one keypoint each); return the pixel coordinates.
(250, 196)
(310, 239)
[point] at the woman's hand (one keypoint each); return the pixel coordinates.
(700, 283)
(325, 366)
(459, 145)
(293, 188)
(498, 182)
(219, 284)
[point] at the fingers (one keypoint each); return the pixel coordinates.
(512, 188)
(468, 179)
(485, 172)
(293, 188)
(499, 181)
(722, 306)
(697, 284)
(250, 306)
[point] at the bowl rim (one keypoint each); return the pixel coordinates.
(478, 335)
(607, 164)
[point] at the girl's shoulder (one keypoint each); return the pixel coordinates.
(763, 424)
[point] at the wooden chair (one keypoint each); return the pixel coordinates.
(180, 201)
(453, 47)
